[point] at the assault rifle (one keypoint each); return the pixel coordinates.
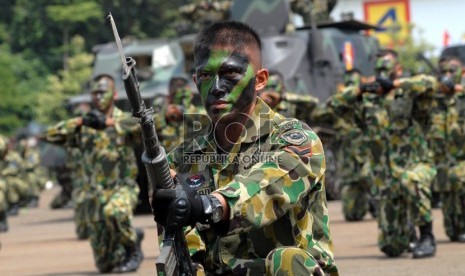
(174, 256)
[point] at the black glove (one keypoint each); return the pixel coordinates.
(373, 87)
(181, 207)
(95, 119)
(385, 83)
(447, 85)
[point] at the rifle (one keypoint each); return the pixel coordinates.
(174, 256)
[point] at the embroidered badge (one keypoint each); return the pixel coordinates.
(195, 180)
(294, 137)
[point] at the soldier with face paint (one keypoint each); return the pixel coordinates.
(446, 137)
(257, 200)
(106, 136)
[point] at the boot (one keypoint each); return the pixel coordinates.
(134, 256)
(413, 239)
(3, 222)
(426, 246)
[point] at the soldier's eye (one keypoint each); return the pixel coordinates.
(204, 75)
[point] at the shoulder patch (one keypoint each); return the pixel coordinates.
(295, 137)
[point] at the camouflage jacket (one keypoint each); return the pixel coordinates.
(297, 106)
(273, 181)
(13, 165)
(447, 130)
(388, 119)
(107, 156)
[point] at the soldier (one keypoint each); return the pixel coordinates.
(447, 136)
(175, 120)
(356, 193)
(260, 174)
(405, 194)
(110, 167)
(285, 102)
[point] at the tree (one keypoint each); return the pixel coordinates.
(71, 14)
(69, 82)
(21, 83)
(409, 49)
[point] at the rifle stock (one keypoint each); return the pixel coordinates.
(174, 256)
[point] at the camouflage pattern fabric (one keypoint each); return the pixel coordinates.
(3, 191)
(111, 191)
(447, 140)
(35, 173)
(273, 180)
(297, 106)
(13, 173)
(352, 156)
(403, 172)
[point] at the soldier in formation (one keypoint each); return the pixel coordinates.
(257, 216)
(446, 137)
(109, 171)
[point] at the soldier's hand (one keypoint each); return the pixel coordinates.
(385, 83)
(95, 119)
(373, 87)
(447, 85)
(180, 207)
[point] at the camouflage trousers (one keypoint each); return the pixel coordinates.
(280, 261)
(81, 219)
(111, 231)
(453, 202)
(404, 202)
(17, 190)
(36, 180)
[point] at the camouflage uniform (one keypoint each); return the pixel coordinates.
(447, 138)
(14, 173)
(273, 182)
(403, 170)
(35, 174)
(352, 157)
(111, 193)
(297, 106)
(66, 133)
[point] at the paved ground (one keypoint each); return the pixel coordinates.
(42, 242)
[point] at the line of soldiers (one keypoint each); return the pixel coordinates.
(400, 139)
(22, 178)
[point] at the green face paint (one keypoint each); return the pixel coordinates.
(451, 69)
(352, 78)
(226, 82)
(385, 67)
(102, 99)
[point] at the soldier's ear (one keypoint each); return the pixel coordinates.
(194, 78)
(261, 78)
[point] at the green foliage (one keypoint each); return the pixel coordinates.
(20, 86)
(409, 49)
(66, 83)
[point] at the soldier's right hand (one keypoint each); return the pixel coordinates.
(95, 119)
(385, 83)
(447, 85)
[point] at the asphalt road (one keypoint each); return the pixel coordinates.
(41, 241)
